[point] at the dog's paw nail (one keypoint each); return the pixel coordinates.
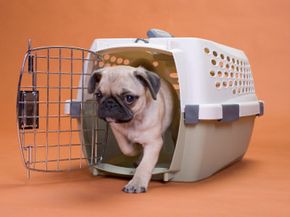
(133, 189)
(142, 190)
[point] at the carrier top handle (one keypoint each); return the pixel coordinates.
(158, 33)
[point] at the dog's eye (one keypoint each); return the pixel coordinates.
(129, 99)
(99, 94)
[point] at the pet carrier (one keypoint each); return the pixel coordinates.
(59, 130)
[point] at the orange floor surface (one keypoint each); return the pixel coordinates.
(257, 186)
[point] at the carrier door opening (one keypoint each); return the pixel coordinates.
(160, 62)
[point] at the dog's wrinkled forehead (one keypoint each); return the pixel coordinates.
(115, 79)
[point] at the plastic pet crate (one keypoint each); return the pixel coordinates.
(214, 96)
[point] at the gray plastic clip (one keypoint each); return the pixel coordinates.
(191, 113)
(261, 104)
(75, 109)
(231, 112)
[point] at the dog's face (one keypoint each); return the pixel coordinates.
(123, 91)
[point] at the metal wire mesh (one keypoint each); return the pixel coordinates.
(53, 141)
(49, 138)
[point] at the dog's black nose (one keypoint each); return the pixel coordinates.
(111, 108)
(110, 103)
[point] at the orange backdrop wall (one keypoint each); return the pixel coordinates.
(260, 28)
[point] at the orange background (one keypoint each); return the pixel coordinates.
(257, 186)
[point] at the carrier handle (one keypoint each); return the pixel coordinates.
(158, 33)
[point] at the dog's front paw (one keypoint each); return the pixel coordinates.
(135, 187)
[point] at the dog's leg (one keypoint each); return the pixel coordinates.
(126, 147)
(142, 176)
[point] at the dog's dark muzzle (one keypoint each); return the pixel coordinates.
(114, 108)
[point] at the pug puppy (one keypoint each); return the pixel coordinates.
(138, 106)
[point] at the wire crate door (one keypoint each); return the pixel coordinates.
(52, 78)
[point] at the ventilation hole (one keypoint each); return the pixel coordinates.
(222, 56)
(206, 50)
(220, 74)
(119, 60)
(225, 84)
(155, 63)
(237, 68)
(213, 62)
(221, 64)
(230, 83)
(233, 60)
(240, 82)
(227, 66)
(232, 74)
(228, 58)
(173, 75)
(233, 67)
(234, 91)
(218, 84)
(101, 64)
(113, 59)
(236, 83)
(238, 62)
(106, 57)
(212, 73)
(214, 53)
(226, 74)
(239, 90)
(126, 61)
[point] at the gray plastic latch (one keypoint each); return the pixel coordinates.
(191, 113)
(261, 104)
(75, 109)
(231, 112)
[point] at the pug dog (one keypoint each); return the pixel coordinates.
(138, 106)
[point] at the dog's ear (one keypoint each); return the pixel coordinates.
(94, 79)
(149, 79)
